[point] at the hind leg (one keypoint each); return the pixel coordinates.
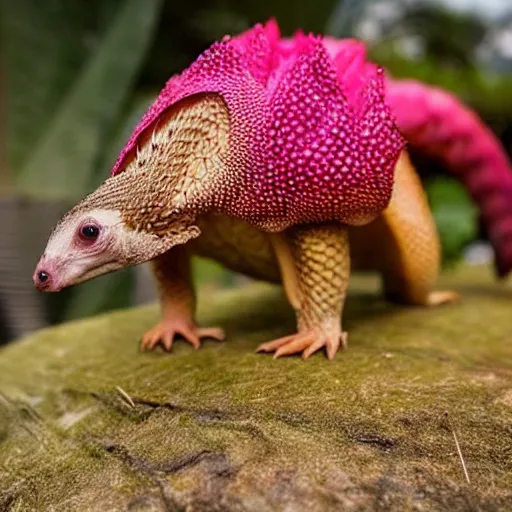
(411, 246)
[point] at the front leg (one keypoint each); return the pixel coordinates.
(177, 300)
(315, 268)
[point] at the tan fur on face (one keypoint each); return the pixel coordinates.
(70, 261)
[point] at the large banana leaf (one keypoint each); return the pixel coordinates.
(68, 80)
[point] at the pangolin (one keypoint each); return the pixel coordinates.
(282, 158)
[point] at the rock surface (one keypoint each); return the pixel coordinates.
(226, 429)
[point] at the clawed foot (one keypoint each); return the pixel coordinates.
(439, 297)
(166, 330)
(307, 342)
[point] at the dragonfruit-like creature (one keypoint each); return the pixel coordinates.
(280, 158)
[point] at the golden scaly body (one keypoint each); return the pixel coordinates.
(402, 244)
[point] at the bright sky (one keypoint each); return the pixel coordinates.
(489, 8)
(499, 42)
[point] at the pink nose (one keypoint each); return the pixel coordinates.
(44, 276)
(42, 279)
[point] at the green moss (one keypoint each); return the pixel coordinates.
(226, 425)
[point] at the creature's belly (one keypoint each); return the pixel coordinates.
(241, 247)
(237, 245)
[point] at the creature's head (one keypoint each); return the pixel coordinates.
(148, 207)
(93, 240)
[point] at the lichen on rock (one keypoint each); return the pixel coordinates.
(89, 423)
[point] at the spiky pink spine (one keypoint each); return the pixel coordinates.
(311, 137)
(439, 125)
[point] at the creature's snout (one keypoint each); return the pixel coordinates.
(45, 276)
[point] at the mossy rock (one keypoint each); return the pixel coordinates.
(226, 429)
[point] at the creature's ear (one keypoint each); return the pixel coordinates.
(152, 245)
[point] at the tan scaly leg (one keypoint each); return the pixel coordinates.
(315, 267)
(411, 247)
(177, 299)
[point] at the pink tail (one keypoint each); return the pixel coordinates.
(437, 124)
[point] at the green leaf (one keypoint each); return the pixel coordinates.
(118, 136)
(40, 62)
(111, 291)
(61, 157)
(455, 215)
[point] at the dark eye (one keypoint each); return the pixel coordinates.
(89, 232)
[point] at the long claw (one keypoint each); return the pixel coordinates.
(191, 336)
(270, 346)
(166, 330)
(317, 345)
(344, 339)
(167, 339)
(212, 332)
(331, 348)
(148, 341)
(439, 297)
(308, 342)
(300, 342)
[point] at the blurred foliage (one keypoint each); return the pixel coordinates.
(78, 76)
(84, 74)
(486, 92)
(450, 39)
(187, 29)
(455, 214)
